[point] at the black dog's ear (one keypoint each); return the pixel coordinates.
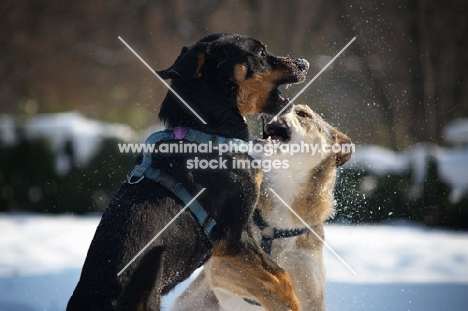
(189, 63)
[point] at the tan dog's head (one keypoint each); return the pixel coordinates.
(313, 150)
(303, 127)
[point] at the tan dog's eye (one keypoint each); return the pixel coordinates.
(302, 114)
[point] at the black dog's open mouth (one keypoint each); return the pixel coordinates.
(277, 130)
(297, 69)
(281, 100)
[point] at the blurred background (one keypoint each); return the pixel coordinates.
(69, 90)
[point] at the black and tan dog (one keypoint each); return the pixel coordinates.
(306, 185)
(223, 77)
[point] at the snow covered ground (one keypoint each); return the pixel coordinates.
(399, 267)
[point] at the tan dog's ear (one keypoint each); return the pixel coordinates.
(188, 64)
(346, 150)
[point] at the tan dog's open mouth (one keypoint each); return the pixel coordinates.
(278, 130)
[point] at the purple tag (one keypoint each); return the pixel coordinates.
(179, 132)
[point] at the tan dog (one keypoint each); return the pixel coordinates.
(305, 182)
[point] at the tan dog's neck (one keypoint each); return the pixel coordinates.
(312, 198)
(315, 203)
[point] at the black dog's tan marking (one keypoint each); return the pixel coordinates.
(206, 75)
(256, 87)
(254, 90)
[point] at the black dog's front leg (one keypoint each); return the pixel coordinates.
(138, 292)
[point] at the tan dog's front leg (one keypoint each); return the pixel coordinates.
(251, 274)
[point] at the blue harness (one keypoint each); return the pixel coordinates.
(145, 169)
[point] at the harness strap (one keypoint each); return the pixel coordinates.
(145, 169)
(201, 215)
(204, 138)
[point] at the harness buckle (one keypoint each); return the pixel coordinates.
(176, 187)
(129, 179)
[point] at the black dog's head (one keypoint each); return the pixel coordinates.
(224, 77)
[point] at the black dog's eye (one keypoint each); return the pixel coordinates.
(262, 52)
(302, 114)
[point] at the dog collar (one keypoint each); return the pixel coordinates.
(181, 132)
(270, 233)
